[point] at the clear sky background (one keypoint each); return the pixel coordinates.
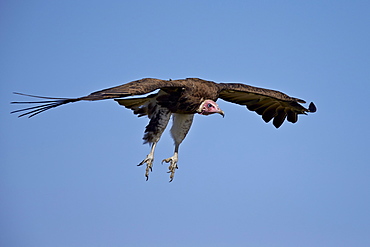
(68, 177)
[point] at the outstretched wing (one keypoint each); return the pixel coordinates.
(138, 87)
(270, 104)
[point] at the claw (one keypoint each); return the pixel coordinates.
(172, 167)
(149, 164)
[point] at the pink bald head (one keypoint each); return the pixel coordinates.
(209, 107)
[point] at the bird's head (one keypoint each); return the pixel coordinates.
(209, 107)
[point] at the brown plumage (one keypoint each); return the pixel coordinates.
(182, 99)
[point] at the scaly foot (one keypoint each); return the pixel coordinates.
(172, 167)
(149, 164)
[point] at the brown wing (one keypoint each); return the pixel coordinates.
(138, 87)
(270, 104)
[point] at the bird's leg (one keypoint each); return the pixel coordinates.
(173, 162)
(149, 160)
(180, 127)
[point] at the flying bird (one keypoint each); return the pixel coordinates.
(182, 99)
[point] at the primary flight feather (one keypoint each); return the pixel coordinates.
(181, 99)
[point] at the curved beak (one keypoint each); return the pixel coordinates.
(221, 112)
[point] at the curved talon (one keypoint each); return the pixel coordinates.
(149, 166)
(172, 167)
(166, 160)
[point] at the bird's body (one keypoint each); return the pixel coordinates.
(181, 99)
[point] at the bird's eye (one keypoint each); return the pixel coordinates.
(209, 105)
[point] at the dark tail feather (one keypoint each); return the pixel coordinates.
(45, 105)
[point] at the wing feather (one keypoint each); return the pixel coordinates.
(292, 117)
(270, 112)
(270, 104)
(280, 117)
(138, 87)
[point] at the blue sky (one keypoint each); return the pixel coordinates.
(68, 177)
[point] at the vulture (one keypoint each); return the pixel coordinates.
(181, 99)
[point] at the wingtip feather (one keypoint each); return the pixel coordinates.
(312, 107)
